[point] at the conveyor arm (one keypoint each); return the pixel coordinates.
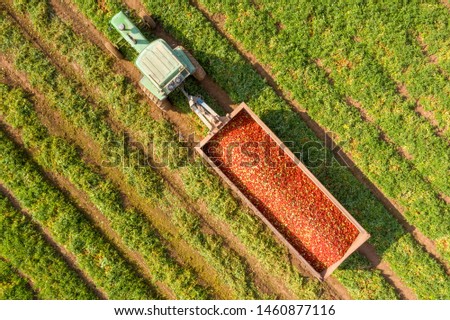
(208, 116)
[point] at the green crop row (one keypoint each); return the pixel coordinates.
(294, 279)
(248, 229)
(108, 201)
(323, 101)
(356, 73)
(371, 273)
(26, 249)
(69, 227)
(236, 76)
(378, 160)
(57, 155)
(387, 235)
(135, 117)
(391, 38)
(12, 285)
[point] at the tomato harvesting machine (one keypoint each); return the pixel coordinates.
(163, 68)
(251, 159)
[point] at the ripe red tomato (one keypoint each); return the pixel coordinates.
(281, 191)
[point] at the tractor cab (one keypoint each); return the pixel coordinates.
(163, 69)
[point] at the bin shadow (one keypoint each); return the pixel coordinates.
(342, 178)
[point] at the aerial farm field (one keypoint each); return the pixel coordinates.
(103, 195)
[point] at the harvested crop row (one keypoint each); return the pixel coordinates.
(252, 160)
(23, 245)
(231, 71)
(12, 285)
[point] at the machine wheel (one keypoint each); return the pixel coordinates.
(199, 73)
(147, 20)
(164, 104)
(113, 50)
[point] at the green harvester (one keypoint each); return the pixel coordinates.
(163, 69)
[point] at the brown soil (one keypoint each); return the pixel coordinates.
(55, 118)
(185, 125)
(421, 112)
(319, 63)
(445, 198)
(68, 257)
(356, 104)
(100, 221)
(340, 291)
(404, 153)
(336, 289)
(197, 261)
(400, 150)
(431, 57)
(401, 89)
(81, 200)
(180, 121)
(446, 3)
(342, 157)
(424, 241)
(426, 114)
(225, 101)
(279, 26)
(429, 115)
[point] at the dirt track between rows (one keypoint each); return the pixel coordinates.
(186, 126)
(26, 278)
(372, 256)
(176, 118)
(345, 159)
(58, 126)
(79, 138)
(179, 121)
(68, 257)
